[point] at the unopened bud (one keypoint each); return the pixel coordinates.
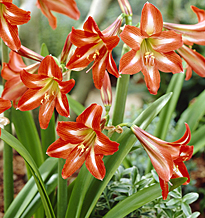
(106, 91)
(125, 7)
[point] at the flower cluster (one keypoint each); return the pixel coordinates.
(154, 46)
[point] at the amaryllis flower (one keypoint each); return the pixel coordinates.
(179, 170)
(10, 17)
(165, 156)
(14, 87)
(82, 141)
(97, 46)
(194, 60)
(66, 7)
(191, 33)
(152, 48)
(4, 105)
(46, 89)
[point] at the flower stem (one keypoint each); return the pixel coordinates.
(62, 187)
(7, 152)
(121, 89)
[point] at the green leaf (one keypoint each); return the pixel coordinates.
(14, 143)
(190, 198)
(27, 134)
(186, 209)
(177, 182)
(126, 140)
(198, 139)
(191, 115)
(166, 114)
(138, 199)
(28, 195)
(44, 50)
(194, 215)
(173, 202)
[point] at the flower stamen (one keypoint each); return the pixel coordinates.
(82, 147)
(149, 58)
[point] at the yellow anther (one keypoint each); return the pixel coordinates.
(46, 96)
(87, 149)
(78, 56)
(177, 168)
(94, 56)
(41, 101)
(53, 93)
(82, 146)
(97, 52)
(149, 58)
(88, 57)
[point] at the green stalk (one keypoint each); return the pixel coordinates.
(62, 187)
(121, 89)
(8, 152)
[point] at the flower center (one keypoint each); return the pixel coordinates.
(88, 141)
(149, 58)
(147, 52)
(50, 89)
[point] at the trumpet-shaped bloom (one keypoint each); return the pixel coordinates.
(152, 48)
(4, 105)
(46, 89)
(94, 45)
(14, 87)
(10, 17)
(195, 61)
(66, 7)
(166, 157)
(82, 141)
(191, 33)
(179, 170)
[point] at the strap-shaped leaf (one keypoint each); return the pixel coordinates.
(28, 195)
(14, 143)
(191, 115)
(27, 134)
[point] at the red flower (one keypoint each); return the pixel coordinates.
(82, 141)
(166, 157)
(4, 105)
(179, 170)
(46, 89)
(14, 87)
(152, 48)
(191, 34)
(10, 17)
(195, 61)
(94, 45)
(66, 7)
